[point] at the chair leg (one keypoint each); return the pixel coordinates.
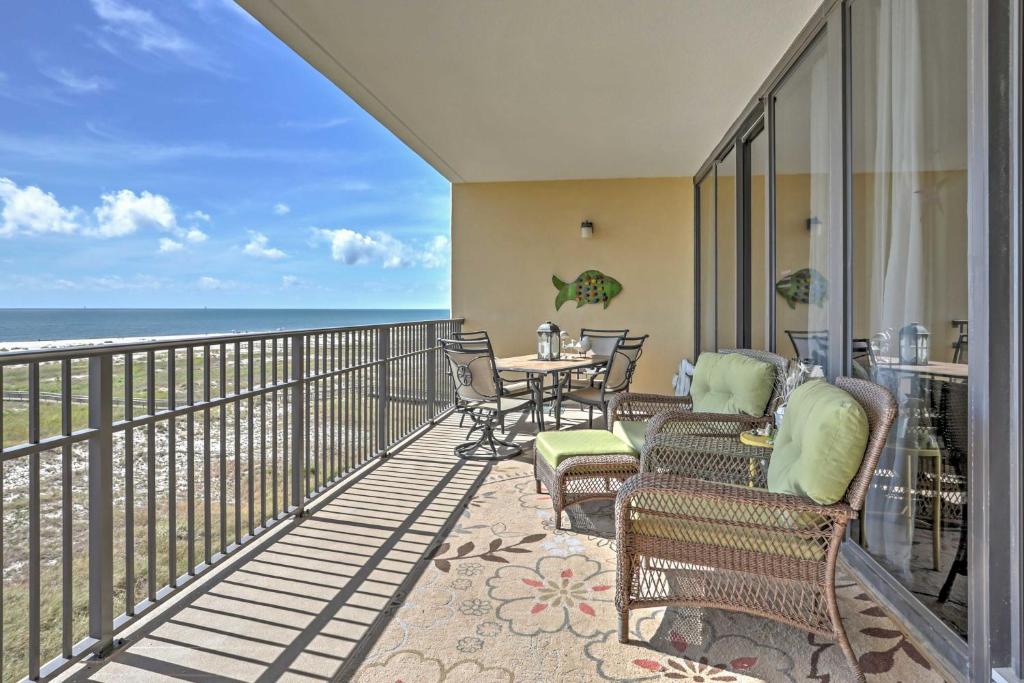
(591, 423)
(623, 625)
(538, 486)
(851, 657)
(840, 631)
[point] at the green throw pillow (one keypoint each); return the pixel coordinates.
(731, 383)
(821, 443)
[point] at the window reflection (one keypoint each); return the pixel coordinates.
(758, 241)
(801, 230)
(725, 229)
(707, 263)
(910, 327)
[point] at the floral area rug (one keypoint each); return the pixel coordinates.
(508, 598)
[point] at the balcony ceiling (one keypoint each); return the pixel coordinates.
(540, 90)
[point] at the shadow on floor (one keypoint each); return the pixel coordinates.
(312, 602)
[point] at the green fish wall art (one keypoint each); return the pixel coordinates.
(590, 287)
(805, 286)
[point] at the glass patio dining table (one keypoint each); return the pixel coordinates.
(539, 370)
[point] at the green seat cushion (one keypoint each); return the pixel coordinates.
(632, 432)
(820, 445)
(659, 518)
(731, 383)
(557, 446)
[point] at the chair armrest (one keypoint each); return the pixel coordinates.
(673, 497)
(687, 422)
(642, 407)
(722, 459)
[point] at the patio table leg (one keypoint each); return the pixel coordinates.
(538, 392)
(558, 401)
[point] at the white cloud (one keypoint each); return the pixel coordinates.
(354, 248)
(259, 246)
(75, 82)
(30, 210)
(281, 209)
(144, 31)
(212, 283)
(290, 281)
(124, 212)
(436, 252)
(105, 283)
(316, 124)
(198, 215)
(354, 186)
(168, 245)
(91, 151)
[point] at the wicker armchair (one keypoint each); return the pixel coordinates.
(631, 407)
(696, 528)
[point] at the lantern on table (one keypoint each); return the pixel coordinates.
(914, 344)
(549, 342)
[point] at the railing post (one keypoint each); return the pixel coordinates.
(101, 502)
(298, 408)
(383, 390)
(431, 371)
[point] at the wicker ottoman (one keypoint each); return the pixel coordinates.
(581, 464)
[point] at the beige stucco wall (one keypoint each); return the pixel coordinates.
(508, 239)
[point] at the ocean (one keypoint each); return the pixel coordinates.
(43, 324)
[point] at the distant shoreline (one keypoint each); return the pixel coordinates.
(46, 344)
(26, 329)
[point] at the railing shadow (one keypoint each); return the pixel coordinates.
(314, 600)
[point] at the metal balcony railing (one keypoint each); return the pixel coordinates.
(127, 470)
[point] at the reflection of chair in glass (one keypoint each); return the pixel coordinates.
(479, 395)
(960, 345)
(863, 357)
(810, 345)
(953, 429)
(613, 379)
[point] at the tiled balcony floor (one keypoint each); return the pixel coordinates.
(345, 594)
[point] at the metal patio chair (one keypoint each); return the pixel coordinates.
(479, 394)
(510, 386)
(613, 379)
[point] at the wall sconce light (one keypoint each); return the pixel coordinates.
(586, 230)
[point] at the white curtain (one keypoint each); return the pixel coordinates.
(898, 253)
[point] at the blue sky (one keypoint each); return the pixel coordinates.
(176, 154)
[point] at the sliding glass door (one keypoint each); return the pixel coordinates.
(758, 286)
(909, 286)
(706, 261)
(726, 257)
(801, 276)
